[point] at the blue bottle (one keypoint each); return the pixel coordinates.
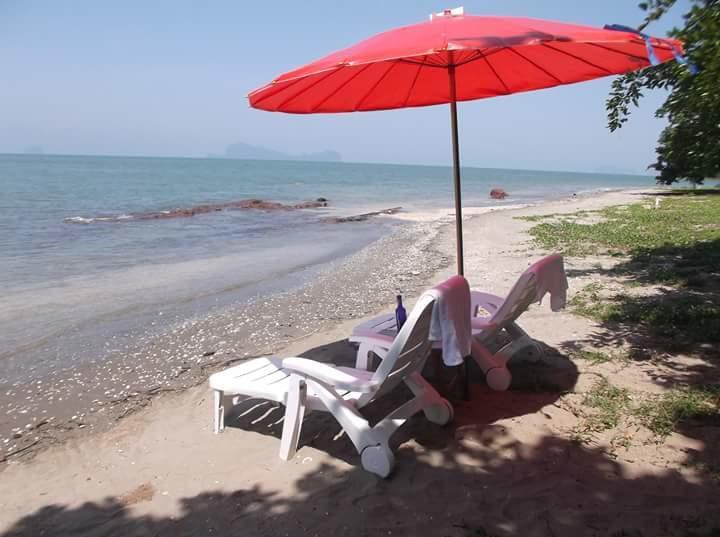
(400, 313)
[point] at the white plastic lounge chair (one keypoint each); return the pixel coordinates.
(546, 275)
(300, 384)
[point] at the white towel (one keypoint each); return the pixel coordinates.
(450, 320)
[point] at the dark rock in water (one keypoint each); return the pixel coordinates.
(184, 212)
(498, 194)
(320, 202)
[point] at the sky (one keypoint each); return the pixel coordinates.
(170, 78)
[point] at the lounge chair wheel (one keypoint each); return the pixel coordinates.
(378, 460)
(498, 378)
(441, 413)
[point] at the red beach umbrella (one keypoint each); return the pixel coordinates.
(456, 57)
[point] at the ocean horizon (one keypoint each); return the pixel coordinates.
(289, 158)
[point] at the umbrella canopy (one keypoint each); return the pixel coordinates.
(456, 57)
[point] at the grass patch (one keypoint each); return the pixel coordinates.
(541, 217)
(594, 357)
(609, 402)
(692, 317)
(680, 221)
(663, 413)
(535, 218)
(608, 405)
(589, 302)
(597, 357)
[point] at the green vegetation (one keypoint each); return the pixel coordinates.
(605, 407)
(636, 229)
(663, 413)
(588, 302)
(692, 317)
(689, 147)
(609, 402)
(677, 245)
(596, 357)
(661, 297)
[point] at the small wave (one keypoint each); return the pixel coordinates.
(78, 220)
(90, 220)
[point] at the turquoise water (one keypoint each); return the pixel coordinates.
(56, 276)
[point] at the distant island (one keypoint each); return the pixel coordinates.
(251, 152)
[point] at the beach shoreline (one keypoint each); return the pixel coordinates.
(79, 401)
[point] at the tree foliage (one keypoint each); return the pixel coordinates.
(689, 147)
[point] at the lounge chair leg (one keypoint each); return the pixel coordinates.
(497, 376)
(294, 413)
(218, 412)
(378, 460)
(436, 408)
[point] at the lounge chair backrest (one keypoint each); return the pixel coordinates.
(526, 290)
(411, 347)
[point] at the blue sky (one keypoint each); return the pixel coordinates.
(170, 78)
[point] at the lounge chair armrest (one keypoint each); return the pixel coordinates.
(487, 301)
(328, 374)
(379, 340)
(479, 323)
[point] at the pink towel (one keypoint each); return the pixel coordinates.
(450, 320)
(550, 278)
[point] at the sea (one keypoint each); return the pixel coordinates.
(83, 259)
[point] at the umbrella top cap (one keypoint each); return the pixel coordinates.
(453, 12)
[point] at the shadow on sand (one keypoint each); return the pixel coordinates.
(473, 478)
(681, 317)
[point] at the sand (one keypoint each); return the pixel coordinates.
(507, 465)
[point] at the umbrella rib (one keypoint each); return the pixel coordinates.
(412, 86)
(367, 94)
(476, 55)
(425, 62)
(548, 73)
(487, 61)
(269, 94)
(434, 61)
(315, 83)
(605, 47)
(591, 64)
(339, 88)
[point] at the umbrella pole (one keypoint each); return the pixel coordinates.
(458, 204)
(456, 171)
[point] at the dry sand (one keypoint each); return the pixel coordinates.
(507, 465)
